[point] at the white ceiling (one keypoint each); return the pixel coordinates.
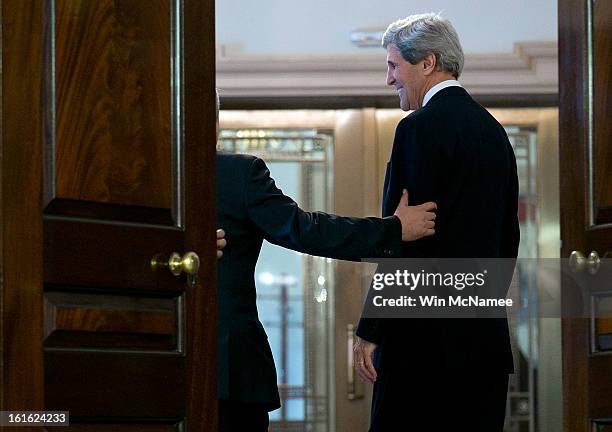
(322, 27)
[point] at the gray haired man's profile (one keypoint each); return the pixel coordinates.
(443, 374)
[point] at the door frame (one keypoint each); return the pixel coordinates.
(21, 299)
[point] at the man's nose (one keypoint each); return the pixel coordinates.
(390, 79)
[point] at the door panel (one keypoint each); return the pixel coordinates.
(602, 427)
(585, 38)
(112, 384)
(21, 367)
(122, 171)
(112, 92)
(82, 253)
(112, 149)
(602, 106)
(112, 321)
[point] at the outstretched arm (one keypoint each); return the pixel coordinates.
(282, 222)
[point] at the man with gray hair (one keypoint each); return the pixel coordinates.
(443, 374)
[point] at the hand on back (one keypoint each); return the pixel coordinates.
(417, 221)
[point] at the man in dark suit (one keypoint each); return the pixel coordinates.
(443, 374)
(250, 208)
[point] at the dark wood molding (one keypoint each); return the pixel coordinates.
(200, 128)
(21, 295)
(572, 165)
(601, 106)
(80, 209)
(105, 321)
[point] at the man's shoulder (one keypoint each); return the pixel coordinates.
(454, 102)
(449, 106)
(413, 119)
(421, 118)
(448, 100)
(235, 158)
(233, 173)
(234, 162)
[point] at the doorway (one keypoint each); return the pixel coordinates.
(310, 311)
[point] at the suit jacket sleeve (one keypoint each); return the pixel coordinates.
(282, 222)
(417, 165)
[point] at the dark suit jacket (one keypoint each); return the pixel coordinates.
(452, 152)
(250, 208)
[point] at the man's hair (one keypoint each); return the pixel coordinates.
(419, 35)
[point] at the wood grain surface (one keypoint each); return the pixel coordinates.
(586, 382)
(602, 111)
(21, 363)
(81, 320)
(112, 85)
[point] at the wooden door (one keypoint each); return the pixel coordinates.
(109, 130)
(585, 96)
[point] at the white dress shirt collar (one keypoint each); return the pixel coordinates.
(440, 86)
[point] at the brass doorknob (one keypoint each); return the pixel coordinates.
(578, 263)
(189, 263)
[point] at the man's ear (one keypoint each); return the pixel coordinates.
(429, 64)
